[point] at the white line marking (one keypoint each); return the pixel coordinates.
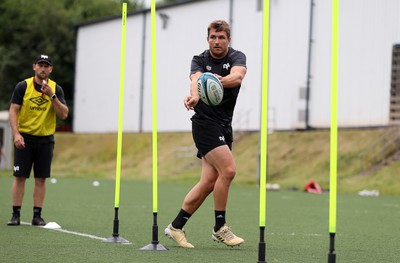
(71, 232)
(80, 234)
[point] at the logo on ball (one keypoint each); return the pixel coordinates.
(210, 89)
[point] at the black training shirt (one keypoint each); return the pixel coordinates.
(204, 62)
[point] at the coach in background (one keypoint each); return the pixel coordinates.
(212, 134)
(34, 105)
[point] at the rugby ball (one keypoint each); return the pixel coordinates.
(210, 89)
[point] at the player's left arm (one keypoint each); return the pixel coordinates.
(60, 109)
(234, 78)
(59, 103)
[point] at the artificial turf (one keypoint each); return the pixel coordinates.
(296, 230)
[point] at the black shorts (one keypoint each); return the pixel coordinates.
(208, 135)
(38, 155)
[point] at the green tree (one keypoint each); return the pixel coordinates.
(29, 28)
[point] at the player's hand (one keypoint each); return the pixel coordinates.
(19, 142)
(46, 89)
(190, 102)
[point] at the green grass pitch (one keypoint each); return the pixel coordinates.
(296, 225)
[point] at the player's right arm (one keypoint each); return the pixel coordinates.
(192, 100)
(18, 139)
(16, 102)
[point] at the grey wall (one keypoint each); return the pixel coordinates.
(367, 31)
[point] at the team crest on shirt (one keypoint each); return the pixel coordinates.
(226, 66)
(222, 138)
(208, 68)
(39, 101)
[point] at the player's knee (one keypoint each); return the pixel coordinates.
(230, 173)
(40, 181)
(209, 186)
(20, 179)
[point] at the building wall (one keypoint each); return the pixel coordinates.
(366, 34)
(367, 31)
(6, 141)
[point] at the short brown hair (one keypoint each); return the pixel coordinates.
(219, 25)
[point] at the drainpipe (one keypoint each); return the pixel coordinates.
(231, 18)
(310, 42)
(230, 12)
(142, 74)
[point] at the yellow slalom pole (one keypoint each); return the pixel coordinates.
(333, 131)
(115, 236)
(154, 102)
(121, 107)
(264, 131)
(154, 245)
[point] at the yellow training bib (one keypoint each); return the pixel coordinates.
(37, 116)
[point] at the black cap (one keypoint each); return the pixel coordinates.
(43, 59)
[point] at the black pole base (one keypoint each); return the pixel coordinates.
(261, 246)
(332, 257)
(154, 247)
(115, 236)
(332, 254)
(117, 239)
(261, 252)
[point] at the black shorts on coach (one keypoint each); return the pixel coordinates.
(35, 154)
